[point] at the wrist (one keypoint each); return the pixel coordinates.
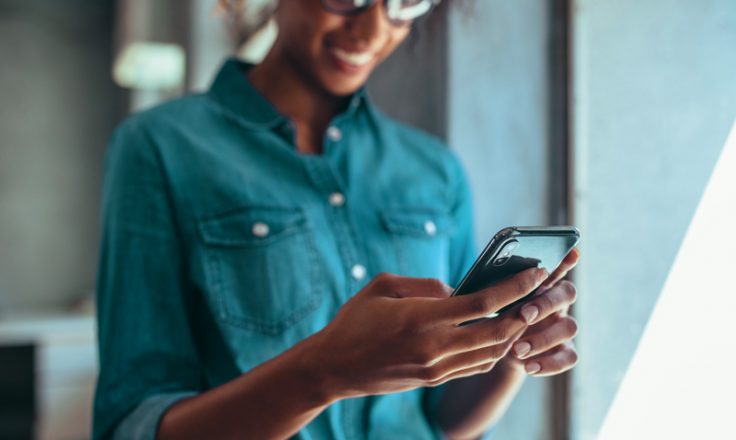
(312, 373)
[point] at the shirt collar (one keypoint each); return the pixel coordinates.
(234, 93)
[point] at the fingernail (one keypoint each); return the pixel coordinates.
(529, 313)
(532, 367)
(522, 348)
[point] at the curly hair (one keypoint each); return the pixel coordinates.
(244, 18)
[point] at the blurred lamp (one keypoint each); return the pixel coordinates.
(150, 66)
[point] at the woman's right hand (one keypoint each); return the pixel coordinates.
(400, 333)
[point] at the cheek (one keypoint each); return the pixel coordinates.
(302, 28)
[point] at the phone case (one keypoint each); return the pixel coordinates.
(515, 249)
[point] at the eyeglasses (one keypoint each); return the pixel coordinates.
(399, 12)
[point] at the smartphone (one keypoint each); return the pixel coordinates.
(515, 249)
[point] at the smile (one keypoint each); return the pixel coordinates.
(357, 59)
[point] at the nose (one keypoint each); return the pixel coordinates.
(371, 25)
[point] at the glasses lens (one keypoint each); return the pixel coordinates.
(407, 10)
(397, 10)
(346, 6)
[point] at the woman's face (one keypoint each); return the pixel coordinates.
(335, 53)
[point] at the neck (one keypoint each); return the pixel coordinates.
(296, 96)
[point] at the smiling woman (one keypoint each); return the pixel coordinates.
(251, 230)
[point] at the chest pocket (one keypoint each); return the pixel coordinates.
(421, 241)
(260, 267)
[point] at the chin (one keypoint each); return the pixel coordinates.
(342, 88)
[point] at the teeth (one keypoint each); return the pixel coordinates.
(354, 58)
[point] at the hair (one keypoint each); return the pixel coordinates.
(244, 18)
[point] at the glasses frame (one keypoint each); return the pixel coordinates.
(370, 3)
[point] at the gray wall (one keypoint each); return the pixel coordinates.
(412, 84)
(497, 122)
(654, 99)
(57, 109)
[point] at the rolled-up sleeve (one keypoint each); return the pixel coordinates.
(148, 359)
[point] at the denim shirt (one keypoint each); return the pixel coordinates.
(223, 246)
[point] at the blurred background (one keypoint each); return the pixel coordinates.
(607, 114)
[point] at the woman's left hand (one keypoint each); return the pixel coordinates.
(546, 348)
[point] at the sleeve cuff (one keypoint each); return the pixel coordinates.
(142, 423)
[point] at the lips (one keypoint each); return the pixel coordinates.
(355, 59)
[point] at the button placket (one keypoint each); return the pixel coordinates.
(326, 182)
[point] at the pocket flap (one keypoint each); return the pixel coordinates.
(251, 226)
(419, 222)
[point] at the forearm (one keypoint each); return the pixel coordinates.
(274, 400)
(470, 405)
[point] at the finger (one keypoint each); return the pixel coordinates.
(397, 286)
(480, 369)
(463, 308)
(463, 362)
(557, 299)
(564, 329)
(484, 348)
(555, 361)
(568, 263)
(485, 333)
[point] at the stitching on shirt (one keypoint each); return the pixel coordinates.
(303, 239)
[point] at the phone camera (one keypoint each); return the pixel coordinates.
(505, 253)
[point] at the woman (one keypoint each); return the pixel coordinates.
(248, 236)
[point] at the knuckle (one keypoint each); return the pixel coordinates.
(384, 281)
(544, 339)
(411, 325)
(546, 303)
(523, 283)
(436, 285)
(430, 374)
(486, 368)
(500, 333)
(570, 291)
(571, 327)
(481, 304)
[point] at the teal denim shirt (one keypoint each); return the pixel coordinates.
(222, 247)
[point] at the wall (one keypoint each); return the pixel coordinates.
(654, 100)
(498, 124)
(58, 107)
(412, 84)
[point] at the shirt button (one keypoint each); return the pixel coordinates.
(260, 229)
(430, 228)
(337, 199)
(358, 272)
(334, 133)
